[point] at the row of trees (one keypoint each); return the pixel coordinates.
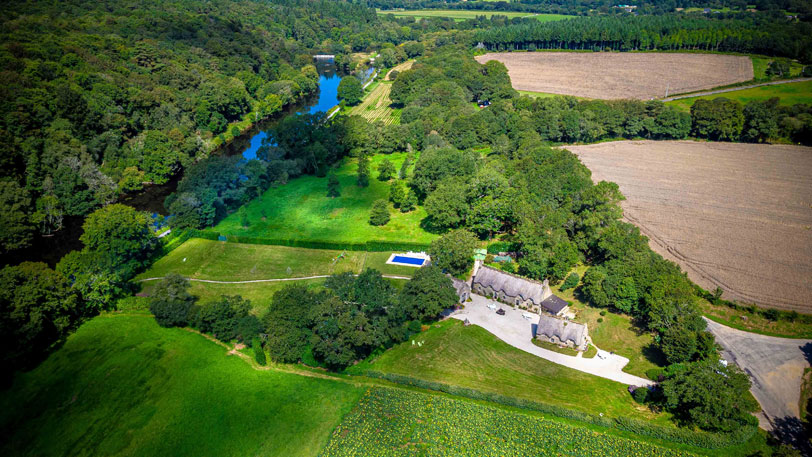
(751, 33)
(336, 325)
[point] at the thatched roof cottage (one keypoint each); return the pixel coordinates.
(562, 332)
(518, 291)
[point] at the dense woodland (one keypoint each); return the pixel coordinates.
(597, 7)
(758, 34)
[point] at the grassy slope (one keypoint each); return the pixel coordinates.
(301, 210)
(121, 385)
(743, 319)
(471, 357)
(789, 94)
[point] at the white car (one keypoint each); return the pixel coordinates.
(528, 316)
(492, 306)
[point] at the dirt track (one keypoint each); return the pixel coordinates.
(604, 75)
(737, 216)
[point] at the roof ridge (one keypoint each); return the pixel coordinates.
(512, 275)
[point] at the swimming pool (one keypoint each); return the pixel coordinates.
(409, 259)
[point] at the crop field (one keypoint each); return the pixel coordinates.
(393, 423)
(787, 94)
(375, 106)
(462, 15)
(736, 216)
(469, 356)
(302, 210)
(123, 386)
(605, 75)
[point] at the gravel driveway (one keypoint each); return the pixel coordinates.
(775, 365)
(515, 330)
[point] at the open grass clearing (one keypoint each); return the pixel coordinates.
(463, 15)
(788, 94)
(452, 353)
(734, 216)
(301, 210)
(606, 75)
(122, 385)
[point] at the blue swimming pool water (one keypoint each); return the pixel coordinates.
(408, 260)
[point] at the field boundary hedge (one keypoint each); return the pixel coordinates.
(678, 435)
(369, 246)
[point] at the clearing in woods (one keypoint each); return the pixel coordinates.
(376, 104)
(735, 216)
(640, 75)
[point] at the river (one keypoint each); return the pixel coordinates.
(50, 249)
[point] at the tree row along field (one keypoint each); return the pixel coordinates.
(462, 15)
(733, 216)
(628, 75)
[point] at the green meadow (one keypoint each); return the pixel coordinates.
(122, 385)
(788, 94)
(452, 353)
(302, 210)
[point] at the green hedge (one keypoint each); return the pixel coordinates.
(369, 246)
(678, 435)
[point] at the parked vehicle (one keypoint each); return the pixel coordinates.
(500, 312)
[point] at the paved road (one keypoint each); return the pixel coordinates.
(517, 331)
(720, 91)
(213, 281)
(775, 365)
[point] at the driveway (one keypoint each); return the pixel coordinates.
(775, 365)
(515, 330)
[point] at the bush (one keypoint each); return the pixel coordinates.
(259, 353)
(379, 215)
(600, 319)
(500, 246)
(171, 301)
(640, 394)
(603, 312)
(571, 281)
(771, 314)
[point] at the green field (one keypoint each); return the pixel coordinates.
(471, 357)
(121, 385)
(417, 424)
(789, 94)
(462, 15)
(301, 210)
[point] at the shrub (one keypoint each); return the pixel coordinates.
(171, 302)
(500, 246)
(771, 314)
(259, 353)
(379, 215)
(600, 319)
(571, 281)
(640, 394)
(603, 312)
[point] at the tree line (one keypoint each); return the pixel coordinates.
(751, 33)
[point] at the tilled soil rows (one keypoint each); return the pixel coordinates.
(736, 216)
(604, 75)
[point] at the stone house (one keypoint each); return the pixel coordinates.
(462, 288)
(515, 290)
(561, 332)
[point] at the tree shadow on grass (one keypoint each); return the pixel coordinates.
(653, 354)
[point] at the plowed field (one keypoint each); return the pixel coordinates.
(736, 216)
(604, 75)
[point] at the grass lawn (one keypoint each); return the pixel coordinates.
(301, 210)
(554, 347)
(471, 357)
(121, 385)
(615, 333)
(462, 15)
(743, 319)
(789, 94)
(545, 94)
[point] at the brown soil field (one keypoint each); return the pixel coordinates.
(736, 216)
(604, 75)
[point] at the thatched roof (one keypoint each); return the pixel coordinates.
(460, 286)
(510, 285)
(565, 331)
